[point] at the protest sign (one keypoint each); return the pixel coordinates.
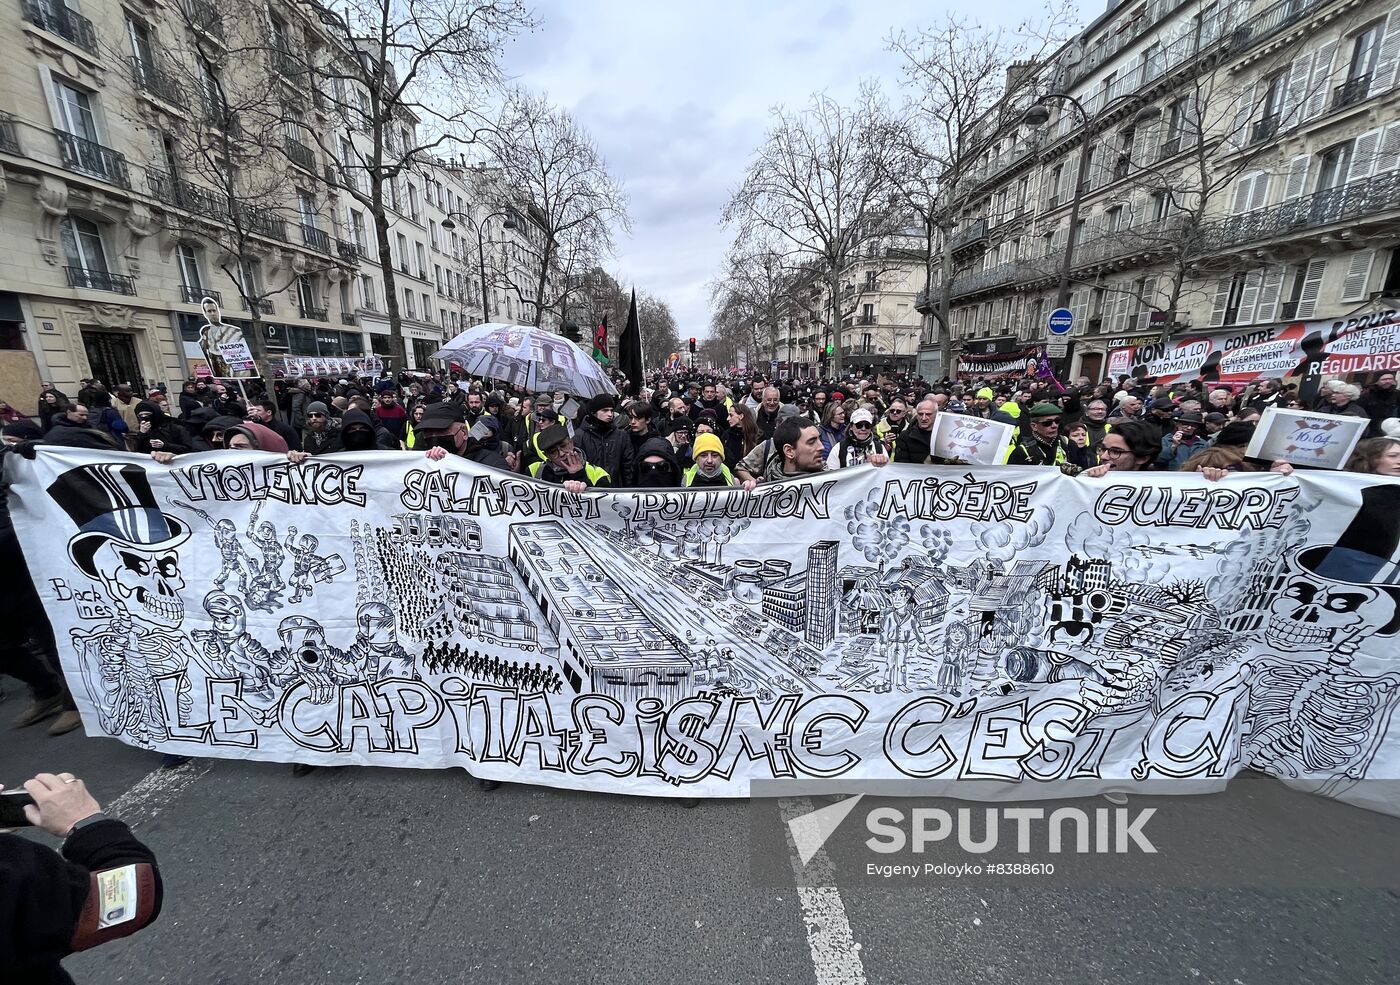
(1014, 627)
(1320, 441)
(225, 350)
(975, 440)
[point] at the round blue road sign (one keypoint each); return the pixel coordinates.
(1061, 321)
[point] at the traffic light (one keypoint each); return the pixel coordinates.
(830, 349)
(692, 344)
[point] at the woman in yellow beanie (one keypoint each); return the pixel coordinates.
(709, 468)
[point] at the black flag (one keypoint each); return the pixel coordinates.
(629, 350)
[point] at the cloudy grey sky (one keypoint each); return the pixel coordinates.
(677, 95)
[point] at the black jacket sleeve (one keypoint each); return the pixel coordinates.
(42, 894)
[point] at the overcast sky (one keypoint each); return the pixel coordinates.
(677, 95)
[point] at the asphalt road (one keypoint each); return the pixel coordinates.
(365, 875)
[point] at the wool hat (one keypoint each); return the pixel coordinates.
(707, 442)
(985, 394)
(597, 403)
(317, 407)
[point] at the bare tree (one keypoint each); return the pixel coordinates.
(549, 161)
(214, 166)
(966, 89)
(660, 335)
(820, 184)
(396, 82)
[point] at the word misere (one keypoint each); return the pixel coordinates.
(967, 498)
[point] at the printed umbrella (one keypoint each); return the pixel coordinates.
(523, 355)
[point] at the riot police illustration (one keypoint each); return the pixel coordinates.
(309, 567)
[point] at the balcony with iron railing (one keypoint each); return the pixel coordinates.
(313, 313)
(315, 238)
(1351, 92)
(867, 320)
(92, 158)
(347, 250)
(9, 135)
(100, 280)
(1169, 148)
(285, 63)
(982, 280)
(347, 318)
(299, 154)
(156, 82)
(262, 222)
(969, 235)
(1370, 199)
(195, 295)
(1166, 235)
(57, 19)
(205, 17)
(264, 305)
(193, 198)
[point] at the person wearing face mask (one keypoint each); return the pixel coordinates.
(603, 444)
(709, 468)
(157, 432)
(358, 433)
(657, 465)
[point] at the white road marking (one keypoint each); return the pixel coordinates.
(835, 954)
(155, 791)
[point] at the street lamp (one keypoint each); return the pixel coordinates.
(449, 225)
(1037, 115)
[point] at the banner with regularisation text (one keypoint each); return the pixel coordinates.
(1008, 626)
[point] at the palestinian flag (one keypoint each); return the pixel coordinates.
(600, 342)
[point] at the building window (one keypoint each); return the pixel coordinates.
(422, 260)
(1365, 51)
(188, 256)
(1333, 167)
(82, 244)
(403, 251)
(1234, 296)
(75, 110)
(408, 303)
(250, 277)
(306, 206)
(412, 201)
(427, 308)
(357, 229)
(368, 295)
(433, 235)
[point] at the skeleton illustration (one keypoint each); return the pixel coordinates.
(308, 567)
(1311, 614)
(125, 542)
(1317, 719)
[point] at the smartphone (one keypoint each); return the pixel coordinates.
(12, 803)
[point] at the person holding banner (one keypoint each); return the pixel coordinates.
(1044, 445)
(564, 464)
(1130, 447)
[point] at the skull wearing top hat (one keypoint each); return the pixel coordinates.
(124, 540)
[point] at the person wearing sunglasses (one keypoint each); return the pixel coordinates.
(859, 445)
(1044, 445)
(320, 434)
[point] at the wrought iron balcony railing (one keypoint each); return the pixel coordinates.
(299, 154)
(69, 25)
(262, 222)
(92, 158)
(315, 238)
(194, 198)
(9, 135)
(313, 313)
(1264, 129)
(204, 16)
(1345, 203)
(195, 295)
(1351, 92)
(154, 81)
(100, 280)
(347, 250)
(264, 305)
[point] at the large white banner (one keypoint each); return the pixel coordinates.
(1011, 626)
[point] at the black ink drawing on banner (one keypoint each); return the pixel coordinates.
(266, 585)
(309, 567)
(233, 559)
(125, 542)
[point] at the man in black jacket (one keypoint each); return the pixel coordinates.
(914, 444)
(104, 886)
(603, 444)
(264, 412)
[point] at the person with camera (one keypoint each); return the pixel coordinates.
(103, 886)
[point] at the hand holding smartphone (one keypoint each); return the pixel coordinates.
(12, 804)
